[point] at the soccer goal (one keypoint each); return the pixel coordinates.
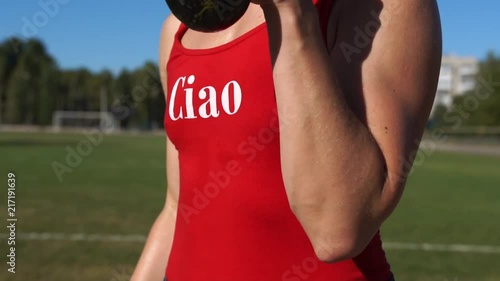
(105, 121)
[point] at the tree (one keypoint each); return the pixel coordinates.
(46, 102)
(147, 95)
(482, 105)
(9, 55)
(32, 87)
(17, 87)
(157, 101)
(122, 105)
(27, 92)
(105, 83)
(437, 118)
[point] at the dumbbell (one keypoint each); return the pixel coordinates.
(208, 15)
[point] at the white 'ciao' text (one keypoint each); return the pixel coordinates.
(208, 94)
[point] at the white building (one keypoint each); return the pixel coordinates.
(457, 76)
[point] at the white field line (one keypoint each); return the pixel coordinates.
(456, 248)
(428, 247)
(77, 237)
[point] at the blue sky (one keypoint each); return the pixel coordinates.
(118, 34)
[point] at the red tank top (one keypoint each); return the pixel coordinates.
(234, 222)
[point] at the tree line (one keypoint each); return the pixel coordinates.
(33, 87)
(478, 107)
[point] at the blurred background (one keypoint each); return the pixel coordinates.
(81, 130)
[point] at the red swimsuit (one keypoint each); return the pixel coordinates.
(234, 222)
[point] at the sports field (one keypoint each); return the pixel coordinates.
(118, 186)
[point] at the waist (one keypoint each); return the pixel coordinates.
(234, 223)
(289, 257)
(233, 242)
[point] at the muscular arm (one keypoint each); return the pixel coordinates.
(154, 258)
(350, 124)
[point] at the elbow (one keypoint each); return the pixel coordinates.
(344, 249)
(330, 244)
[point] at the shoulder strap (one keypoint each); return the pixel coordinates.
(181, 30)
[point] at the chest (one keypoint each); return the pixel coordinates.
(226, 92)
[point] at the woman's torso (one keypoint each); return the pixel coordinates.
(234, 221)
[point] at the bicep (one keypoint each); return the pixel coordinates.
(387, 67)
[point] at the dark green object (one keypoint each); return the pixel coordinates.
(208, 15)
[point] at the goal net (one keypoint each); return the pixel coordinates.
(105, 121)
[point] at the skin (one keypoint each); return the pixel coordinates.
(350, 121)
(154, 257)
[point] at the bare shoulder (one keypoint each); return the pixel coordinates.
(168, 31)
(387, 39)
(169, 28)
(357, 22)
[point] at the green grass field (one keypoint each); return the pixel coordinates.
(119, 188)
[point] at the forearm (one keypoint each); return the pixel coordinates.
(154, 258)
(332, 167)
